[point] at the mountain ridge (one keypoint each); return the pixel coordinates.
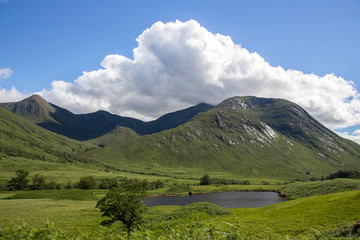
(242, 136)
(93, 125)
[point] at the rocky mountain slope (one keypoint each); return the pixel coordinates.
(248, 136)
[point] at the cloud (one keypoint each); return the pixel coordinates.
(5, 72)
(4, 1)
(354, 136)
(179, 64)
(11, 95)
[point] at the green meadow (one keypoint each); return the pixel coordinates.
(71, 214)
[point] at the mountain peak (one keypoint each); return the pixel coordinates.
(34, 108)
(40, 101)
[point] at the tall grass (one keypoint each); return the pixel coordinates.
(186, 232)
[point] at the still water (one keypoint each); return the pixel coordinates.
(224, 199)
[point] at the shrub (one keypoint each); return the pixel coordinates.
(87, 182)
(38, 182)
(20, 181)
(205, 180)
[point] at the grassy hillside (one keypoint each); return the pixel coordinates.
(25, 145)
(247, 137)
(20, 138)
(305, 189)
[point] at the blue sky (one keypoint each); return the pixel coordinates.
(44, 42)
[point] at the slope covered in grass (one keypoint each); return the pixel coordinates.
(24, 139)
(305, 189)
(25, 145)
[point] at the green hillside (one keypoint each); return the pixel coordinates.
(243, 136)
(25, 145)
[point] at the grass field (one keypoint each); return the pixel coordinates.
(303, 217)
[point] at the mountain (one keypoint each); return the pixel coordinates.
(93, 125)
(245, 136)
(35, 109)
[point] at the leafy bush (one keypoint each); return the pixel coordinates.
(87, 182)
(205, 180)
(354, 174)
(20, 181)
(124, 182)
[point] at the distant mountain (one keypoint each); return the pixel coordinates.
(93, 125)
(117, 136)
(246, 136)
(174, 119)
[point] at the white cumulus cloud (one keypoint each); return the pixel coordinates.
(178, 64)
(354, 136)
(5, 73)
(12, 95)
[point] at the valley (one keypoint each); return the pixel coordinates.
(255, 143)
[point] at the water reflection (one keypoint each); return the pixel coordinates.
(224, 199)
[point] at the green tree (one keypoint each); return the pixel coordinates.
(38, 182)
(123, 205)
(87, 182)
(20, 181)
(205, 180)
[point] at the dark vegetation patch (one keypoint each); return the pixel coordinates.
(353, 174)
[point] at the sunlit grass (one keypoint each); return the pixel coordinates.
(292, 218)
